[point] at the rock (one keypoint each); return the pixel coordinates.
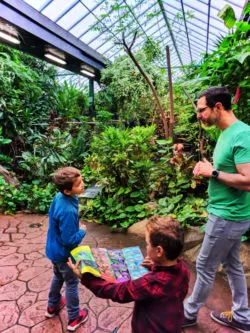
(8, 177)
(192, 253)
(193, 237)
(245, 256)
(247, 275)
(138, 228)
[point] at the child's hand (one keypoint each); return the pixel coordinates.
(147, 262)
(75, 267)
(83, 227)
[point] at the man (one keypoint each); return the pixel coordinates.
(228, 208)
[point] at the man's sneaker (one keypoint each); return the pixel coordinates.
(74, 324)
(226, 319)
(189, 322)
(51, 312)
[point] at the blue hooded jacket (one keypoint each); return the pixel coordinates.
(63, 233)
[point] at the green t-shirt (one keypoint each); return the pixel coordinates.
(233, 147)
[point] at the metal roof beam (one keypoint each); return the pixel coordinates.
(84, 16)
(171, 20)
(196, 18)
(185, 22)
(39, 33)
(91, 11)
(169, 29)
(195, 41)
(66, 12)
(46, 5)
(101, 33)
(208, 22)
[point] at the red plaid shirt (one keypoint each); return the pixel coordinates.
(158, 297)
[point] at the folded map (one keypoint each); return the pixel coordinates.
(109, 264)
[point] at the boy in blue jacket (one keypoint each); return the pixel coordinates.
(63, 236)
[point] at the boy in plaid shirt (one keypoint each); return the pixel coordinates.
(159, 294)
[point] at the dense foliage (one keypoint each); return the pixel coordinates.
(30, 99)
(126, 91)
(135, 167)
(45, 125)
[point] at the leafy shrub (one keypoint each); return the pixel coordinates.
(114, 211)
(136, 168)
(33, 197)
(25, 97)
(50, 152)
(71, 103)
(125, 92)
(122, 160)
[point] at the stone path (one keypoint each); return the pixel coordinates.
(25, 275)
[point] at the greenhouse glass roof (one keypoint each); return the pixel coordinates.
(191, 28)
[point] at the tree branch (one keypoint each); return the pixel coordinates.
(156, 97)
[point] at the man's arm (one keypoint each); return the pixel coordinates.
(240, 180)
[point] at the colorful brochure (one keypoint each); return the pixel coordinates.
(88, 264)
(111, 265)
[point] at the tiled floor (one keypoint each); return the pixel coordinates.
(25, 275)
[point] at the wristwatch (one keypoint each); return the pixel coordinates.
(215, 174)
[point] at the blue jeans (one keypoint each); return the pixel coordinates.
(62, 273)
(221, 245)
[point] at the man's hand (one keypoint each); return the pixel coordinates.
(203, 168)
(147, 262)
(75, 267)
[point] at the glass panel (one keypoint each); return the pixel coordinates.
(83, 26)
(98, 42)
(91, 36)
(57, 8)
(72, 16)
(155, 27)
(91, 3)
(197, 6)
(105, 47)
(37, 4)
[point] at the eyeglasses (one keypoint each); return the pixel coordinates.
(202, 109)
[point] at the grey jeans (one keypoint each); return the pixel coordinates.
(221, 245)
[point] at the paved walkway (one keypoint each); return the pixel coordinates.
(25, 275)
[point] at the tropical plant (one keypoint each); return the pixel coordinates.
(25, 100)
(4, 141)
(126, 94)
(50, 152)
(71, 102)
(34, 196)
(121, 160)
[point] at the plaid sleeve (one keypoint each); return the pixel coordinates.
(132, 290)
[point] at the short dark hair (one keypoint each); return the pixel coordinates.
(64, 178)
(217, 94)
(168, 233)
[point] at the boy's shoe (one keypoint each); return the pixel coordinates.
(189, 322)
(74, 324)
(51, 312)
(227, 319)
